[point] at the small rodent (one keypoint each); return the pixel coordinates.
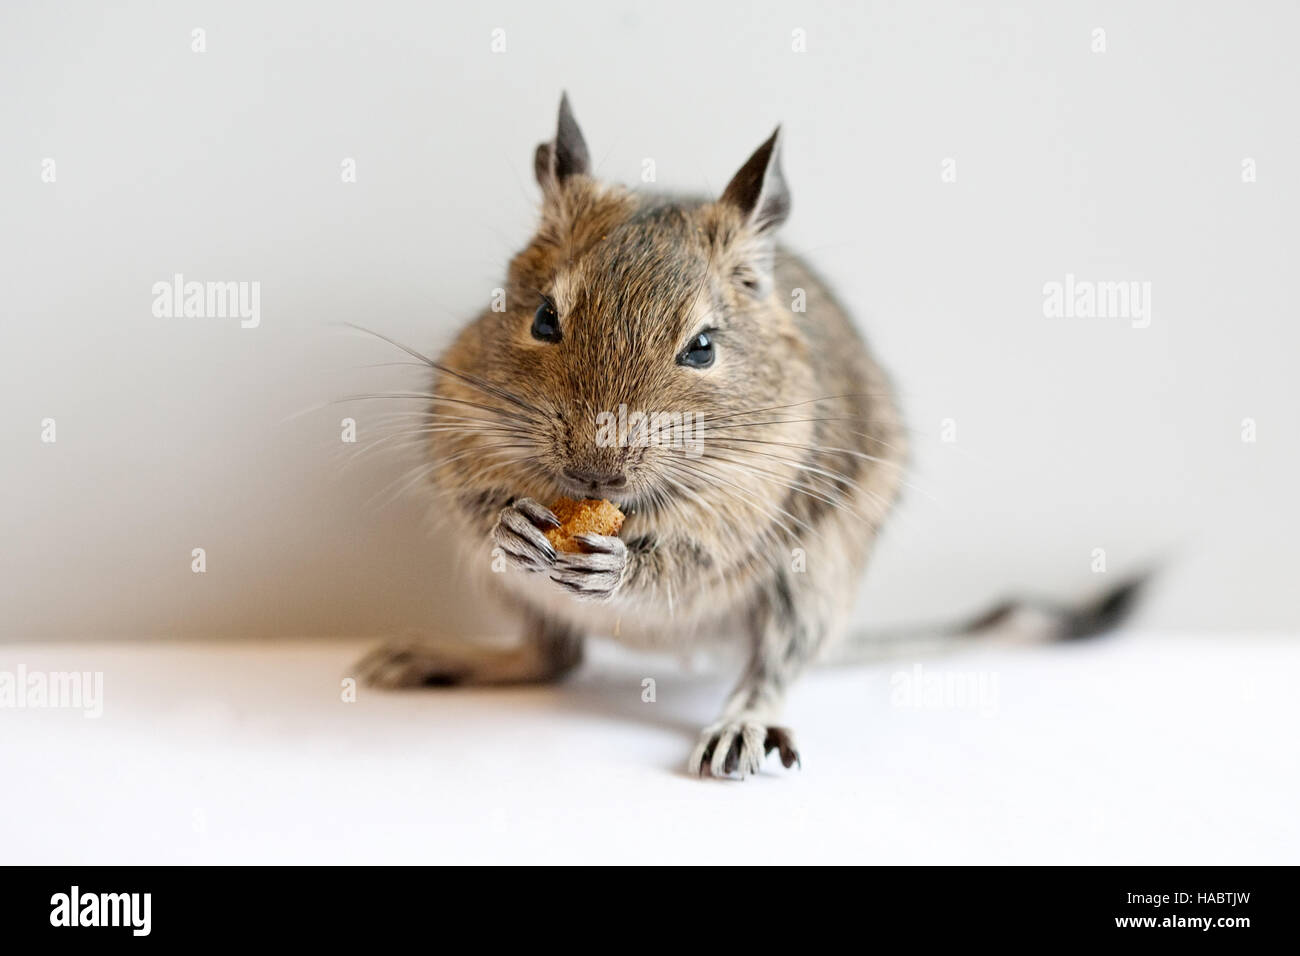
(753, 527)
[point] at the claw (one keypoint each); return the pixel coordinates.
(738, 747)
(537, 512)
(595, 574)
(600, 543)
(517, 534)
(780, 739)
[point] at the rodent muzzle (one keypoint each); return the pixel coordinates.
(596, 480)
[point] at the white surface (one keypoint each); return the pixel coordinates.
(1071, 434)
(1131, 750)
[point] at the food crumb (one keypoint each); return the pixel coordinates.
(588, 516)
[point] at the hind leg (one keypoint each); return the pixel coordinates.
(547, 653)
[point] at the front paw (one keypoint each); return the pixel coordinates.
(518, 534)
(739, 746)
(595, 574)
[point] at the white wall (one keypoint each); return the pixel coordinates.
(1072, 434)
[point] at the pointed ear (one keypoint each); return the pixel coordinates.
(759, 191)
(564, 156)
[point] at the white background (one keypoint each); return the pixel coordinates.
(1072, 434)
(1172, 744)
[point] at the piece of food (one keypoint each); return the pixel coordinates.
(588, 516)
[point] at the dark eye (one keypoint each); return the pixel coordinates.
(699, 354)
(546, 322)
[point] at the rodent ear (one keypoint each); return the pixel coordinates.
(759, 190)
(564, 156)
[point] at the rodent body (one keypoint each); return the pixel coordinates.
(739, 546)
(758, 531)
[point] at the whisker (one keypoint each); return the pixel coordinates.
(698, 464)
(843, 451)
(795, 486)
(776, 408)
(429, 397)
(465, 377)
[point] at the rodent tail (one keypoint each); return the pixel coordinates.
(1028, 621)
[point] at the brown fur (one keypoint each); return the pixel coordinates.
(802, 448)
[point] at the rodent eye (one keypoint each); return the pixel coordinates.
(699, 354)
(546, 322)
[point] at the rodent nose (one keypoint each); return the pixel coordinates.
(598, 479)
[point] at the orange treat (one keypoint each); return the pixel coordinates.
(588, 516)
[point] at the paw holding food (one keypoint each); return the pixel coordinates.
(576, 544)
(520, 535)
(588, 516)
(590, 559)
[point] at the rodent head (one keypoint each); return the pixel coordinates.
(627, 303)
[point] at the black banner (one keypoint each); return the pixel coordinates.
(1167, 906)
